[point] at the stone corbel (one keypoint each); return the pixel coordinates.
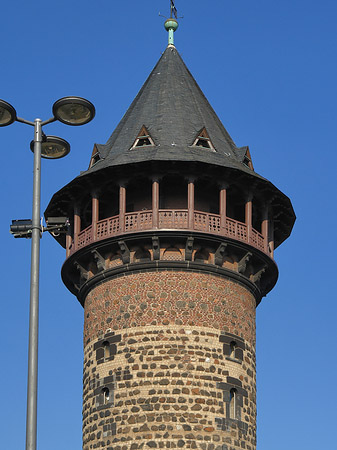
(257, 276)
(189, 249)
(220, 254)
(242, 264)
(100, 261)
(155, 248)
(84, 273)
(125, 252)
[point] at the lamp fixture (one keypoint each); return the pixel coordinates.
(7, 114)
(53, 147)
(73, 110)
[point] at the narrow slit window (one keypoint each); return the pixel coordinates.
(106, 395)
(143, 139)
(203, 140)
(106, 348)
(232, 349)
(232, 403)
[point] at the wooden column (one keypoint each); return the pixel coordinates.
(122, 207)
(69, 241)
(223, 208)
(249, 216)
(155, 203)
(94, 214)
(190, 202)
(77, 225)
(265, 227)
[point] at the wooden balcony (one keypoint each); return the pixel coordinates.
(169, 219)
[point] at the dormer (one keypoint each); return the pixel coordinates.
(203, 140)
(143, 139)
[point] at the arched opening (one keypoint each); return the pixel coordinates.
(172, 254)
(115, 260)
(232, 403)
(106, 395)
(142, 255)
(201, 255)
(232, 346)
(106, 348)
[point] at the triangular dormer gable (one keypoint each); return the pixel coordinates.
(243, 155)
(247, 160)
(203, 140)
(143, 139)
(95, 157)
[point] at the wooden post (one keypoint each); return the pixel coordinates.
(223, 209)
(94, 214)
(249, 216)
(122, 207)
(69, 241)
(265, 227)
(190, 203)
(155, 203)
(77, 225)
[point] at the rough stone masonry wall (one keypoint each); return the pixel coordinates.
(169, 362)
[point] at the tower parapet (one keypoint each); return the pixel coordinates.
(170, 249)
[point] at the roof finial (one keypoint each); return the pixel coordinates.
(171, 24)
(173, 10)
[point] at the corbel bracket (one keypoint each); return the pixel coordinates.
(242, 264)
(220, 254)
(84, 273)
(189, 248)
(155, 248)
(125, 252)
(100, 261)
(257, 276)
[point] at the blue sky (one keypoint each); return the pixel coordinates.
(269, 70)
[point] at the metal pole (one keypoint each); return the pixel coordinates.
(31, 421)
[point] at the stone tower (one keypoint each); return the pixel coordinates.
(170, 249)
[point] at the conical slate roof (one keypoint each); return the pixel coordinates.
(174, 110)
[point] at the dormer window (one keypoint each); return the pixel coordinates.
(143, 139)
(95, 157)
(247, 160)
(203, 140)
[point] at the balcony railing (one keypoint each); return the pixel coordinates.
(169, 219)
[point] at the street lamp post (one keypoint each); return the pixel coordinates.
(71, 111)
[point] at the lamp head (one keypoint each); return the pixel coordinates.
(73, 110)
(7, 114)
(53, 147)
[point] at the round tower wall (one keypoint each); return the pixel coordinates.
(169, 362)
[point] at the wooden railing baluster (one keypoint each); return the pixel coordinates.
(169, 219)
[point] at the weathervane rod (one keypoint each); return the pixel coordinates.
(173, 10)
